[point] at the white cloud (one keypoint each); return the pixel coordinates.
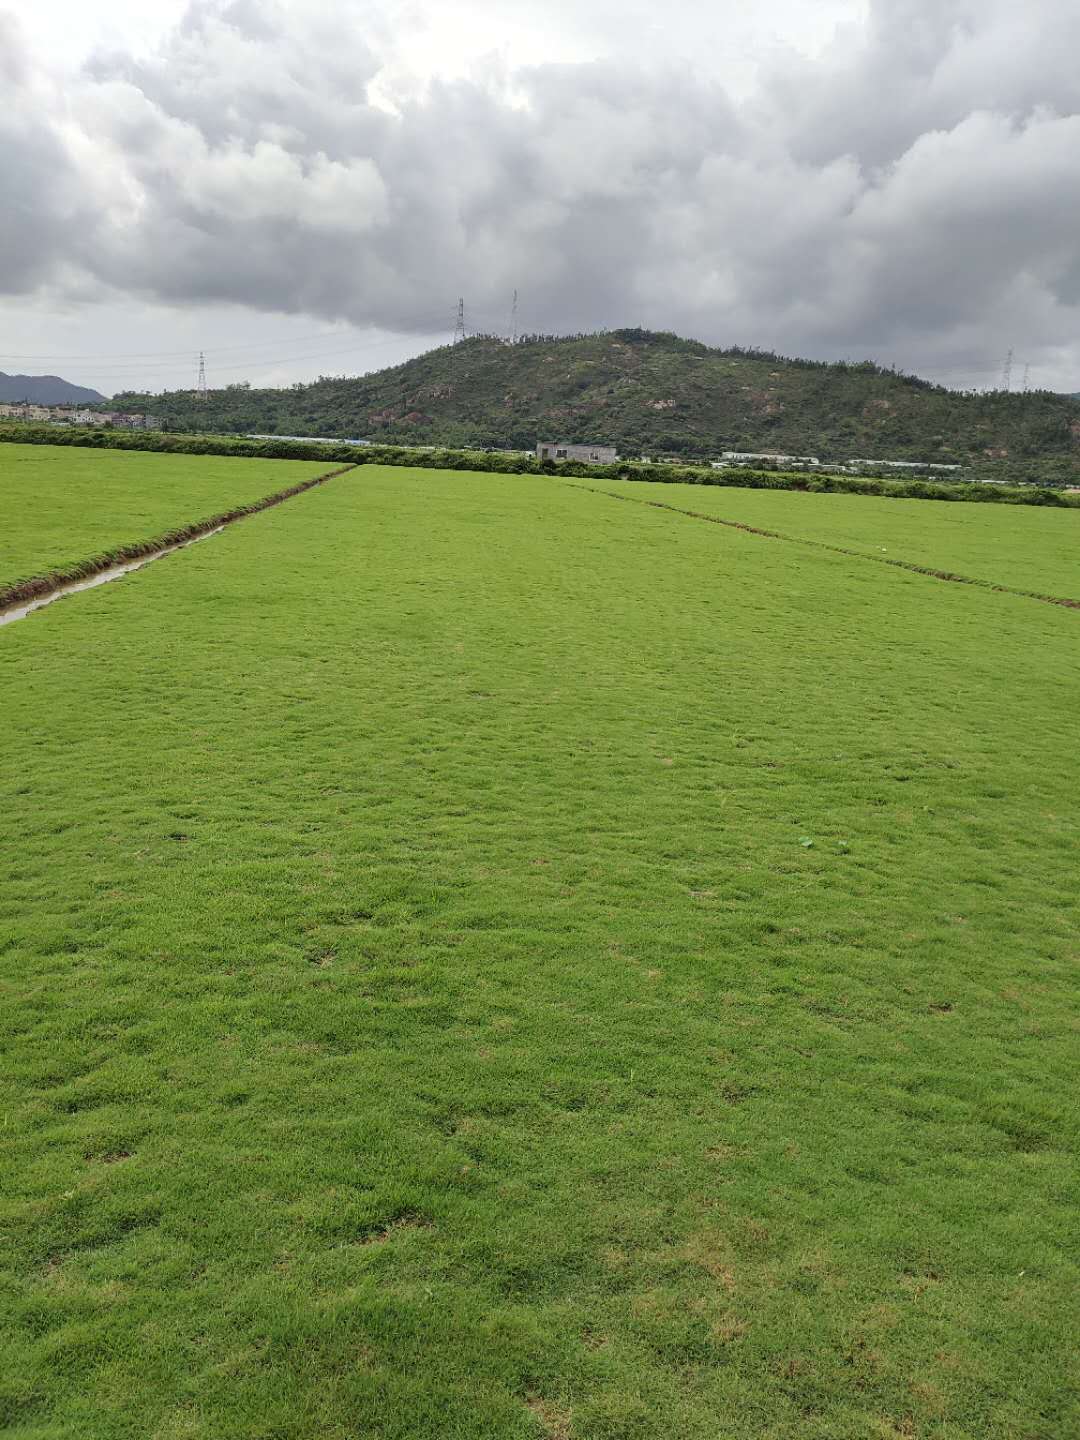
(900, 182)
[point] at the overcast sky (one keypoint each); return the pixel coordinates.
(307, 186)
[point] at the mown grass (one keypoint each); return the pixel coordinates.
(1022, 547)
(486, 961)
(62, 505)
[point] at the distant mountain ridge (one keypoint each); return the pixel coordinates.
(649, 393)
(44, 390)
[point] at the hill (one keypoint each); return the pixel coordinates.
(44, 390)
(648, 393)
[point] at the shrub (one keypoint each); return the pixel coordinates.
(495, 462)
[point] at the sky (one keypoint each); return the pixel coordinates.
(306, 187)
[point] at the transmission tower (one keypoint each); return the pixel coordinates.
(200, 388)
(459, 328)
(1027, 377)
(1006, 374)
(513, 321)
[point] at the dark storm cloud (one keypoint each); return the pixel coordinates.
(922, 66)
(42, 196)
(914, 193)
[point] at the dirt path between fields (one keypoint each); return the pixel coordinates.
(25, 596)
(835, 549)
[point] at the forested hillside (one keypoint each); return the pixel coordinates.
(653, 394)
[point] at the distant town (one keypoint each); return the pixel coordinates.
(561, 452)
(80, 415)
(558, 452)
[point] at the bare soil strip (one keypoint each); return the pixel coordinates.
(836, 549)
(24, 596)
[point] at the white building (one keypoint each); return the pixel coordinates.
(590, 454)
(906, 464)
(749, 457)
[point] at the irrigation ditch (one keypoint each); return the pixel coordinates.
(22, 597)
(910, 565)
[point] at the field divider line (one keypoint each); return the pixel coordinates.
(835, 549)
(24, 596)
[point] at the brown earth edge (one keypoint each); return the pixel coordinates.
(21, 592)
(837, 549)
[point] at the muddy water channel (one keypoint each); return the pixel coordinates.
(36, 594)
(102, 577)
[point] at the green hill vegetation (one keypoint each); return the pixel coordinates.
(654, 394)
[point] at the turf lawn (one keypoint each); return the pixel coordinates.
(483, 961)
(1021, 546)
(60, 505)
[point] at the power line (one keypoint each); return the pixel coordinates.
(162, 354)
(172, 359)
(264, 363)
(250, 364)
(431, 323)
(964, 369)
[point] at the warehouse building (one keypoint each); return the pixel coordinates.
(590, 454)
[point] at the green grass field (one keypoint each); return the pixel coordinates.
(1022, 547)
(62, 505)
(484, 961)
